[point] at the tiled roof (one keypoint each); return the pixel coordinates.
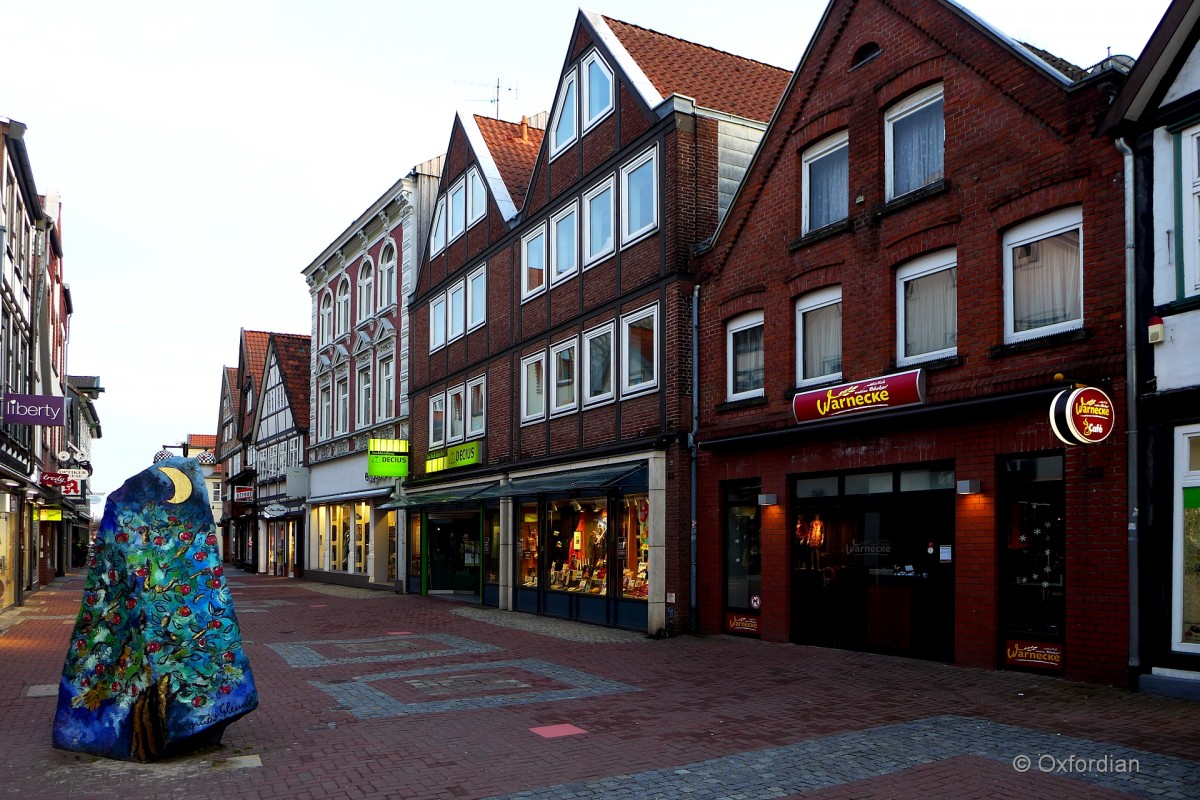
(514, 147)
(713, 78)
(235, 397)
(206, 441)
(293, 352)
(254, 360)
(1061, 64)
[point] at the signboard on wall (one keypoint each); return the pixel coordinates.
(741, 623)
(1082, 416)
(1042, 655)
(460, 455)
(387, 458)
(35, 409)
(243, 494)
(861, 397)
(49, 514)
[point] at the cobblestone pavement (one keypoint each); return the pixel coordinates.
(370, 694)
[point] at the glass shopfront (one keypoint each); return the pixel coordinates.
(354, 537)
(281, 547)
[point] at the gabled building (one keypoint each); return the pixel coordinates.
(1156, 120)
(241, 485)
(229, 454)
(928, 234)
(82, 428)
(358, 382)
(551, 338)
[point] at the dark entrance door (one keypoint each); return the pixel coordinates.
(454, 552)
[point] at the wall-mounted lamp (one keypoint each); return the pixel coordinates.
(970, 486)
(767, 499)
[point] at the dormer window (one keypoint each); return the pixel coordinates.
(564, 129)
(597, 89)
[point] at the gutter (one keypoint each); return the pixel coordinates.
(695, 450)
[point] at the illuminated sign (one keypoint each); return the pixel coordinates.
(1082, 416)
(460, 455)
(49, 514)
(387, 458)
(860, 397)
(741, 623)
(1043, 655)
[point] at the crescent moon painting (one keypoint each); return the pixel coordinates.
(155, 666)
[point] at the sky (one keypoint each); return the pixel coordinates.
(206, 153)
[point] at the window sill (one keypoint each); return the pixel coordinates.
(1178, 306)
(933, 364)
(735, 405)
(912, 198)
(809, 387)
(827, 232)
(1052, 340)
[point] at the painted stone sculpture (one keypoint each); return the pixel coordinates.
(155, 665)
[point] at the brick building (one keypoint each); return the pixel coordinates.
(927, 235)
(551, 341)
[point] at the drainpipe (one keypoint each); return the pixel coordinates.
(1131, 427)
(693, 447)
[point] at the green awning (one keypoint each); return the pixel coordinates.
(626, 477)
(439, 497)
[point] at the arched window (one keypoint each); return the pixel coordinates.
(366, 290)
(326, 318)
(342, 313)
(387, 276)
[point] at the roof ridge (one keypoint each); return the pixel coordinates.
(710, 48)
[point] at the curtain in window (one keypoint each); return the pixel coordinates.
(564, 378)
(823, 341)
(535, 402)
(1046, 282)
(600, 365)
(829, 188)
(918, 149)
(748, 359)
(476, 399)
(641, 352)
(931, 312)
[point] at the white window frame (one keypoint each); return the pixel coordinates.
(822, 149)
(436, 401)
(627, 321)
(570, 210)
(811, 302)
(588, 399)
(437, 323)
(590, 199)
(1034, 230)
(921, 267)
(341, 403)
(456, 311)
(437, 231)
(325, 412)
(552, 381)
(475, 192)
(366, 291)
(387, 277)
(476, 286)
(740, 323)
(385, 402)
(481, 381)
(527, 417)
(1189, 204)
(456, 202)
(526, 291)
(589, 120)
(341, 308)
(909, 105)
(568, 88)
(1184, 478)
(629, 236)
(326, 317)
(457, 393)
(363, 404)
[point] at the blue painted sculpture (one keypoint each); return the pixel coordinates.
(155, 666)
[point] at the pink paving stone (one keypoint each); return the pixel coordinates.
(554, 731)
(399, 633)
(319, 605)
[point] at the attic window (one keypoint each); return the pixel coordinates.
(864, 54)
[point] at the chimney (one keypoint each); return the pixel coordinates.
(524, 128)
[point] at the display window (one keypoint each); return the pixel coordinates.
(1185, 583)
(633, 546)
(491, 545)
(387, 524)
(743, 552)
(414, 553)
(578, 546)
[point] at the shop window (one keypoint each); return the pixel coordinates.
(598, 223)
(1043, 276)
(491, 545)
(597, 89)
(533, 262)
(340, 534)
(869, 483)
(639, 348)
(639, 196)
(414, 552)
(563, 129)
(387, 525)
(1185, 589)
(527, 546)
(633, 546)
(743, 554)
(564, 377)
(744, 348)
(362, 533)
(927, 308)
(564, 249)
(819, 337)
(319, 525)
(922, 480)
(915, 142)
(533, 388)
(578, 546)
(817, 487)
(598, 365)
(826, 182)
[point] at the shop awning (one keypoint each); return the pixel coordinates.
(439, 497)
(627, 477)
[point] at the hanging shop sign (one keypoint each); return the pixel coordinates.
(243, 494)
(387, 458)
(460, 455)
(61, 481)
(35, 409)
(860, 397)
(1043, 655)
(49, 515)
(1082, 416)
(741, 623)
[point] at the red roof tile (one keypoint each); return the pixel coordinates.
(235, 397)
(713, 78)
(293, 353)
(205, 441)
(514, 147)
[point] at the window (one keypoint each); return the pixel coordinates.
(437, 234)
(387, 276)
(639, 196)
(564, 375)
(598, 222)
(437, 322)
(386, 396)
(326, 318)
(457, 310)
(1185, 582)
(215, 492)
(457, 218)
(533, 262)
(477, 298)
(915, 142)
(744, 349)
(437, 420)
(1043, 276)
(476, 407)
(597, 89)
(562, 132)
(819, 336)
(826, 179)
(639, 348)
(342, 409)
(533, 388)
(563, 248)
(342, 308)
(598, 365)
(326, 412)
(366, 291)
(476, 197)
(927, 308)
(743, 550)
(362, 409)
(456, 400)
(1188, 208)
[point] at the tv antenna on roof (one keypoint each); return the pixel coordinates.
(497, 91)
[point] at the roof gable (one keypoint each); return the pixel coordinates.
(1153, 80)
(293, 352)
(506, 153)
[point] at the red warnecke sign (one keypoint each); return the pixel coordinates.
(860, 397)
(1082, 416)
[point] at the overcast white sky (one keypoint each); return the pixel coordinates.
(207, 152)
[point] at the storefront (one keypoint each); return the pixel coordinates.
(282, 531)
(10, 549)
(353, 540)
